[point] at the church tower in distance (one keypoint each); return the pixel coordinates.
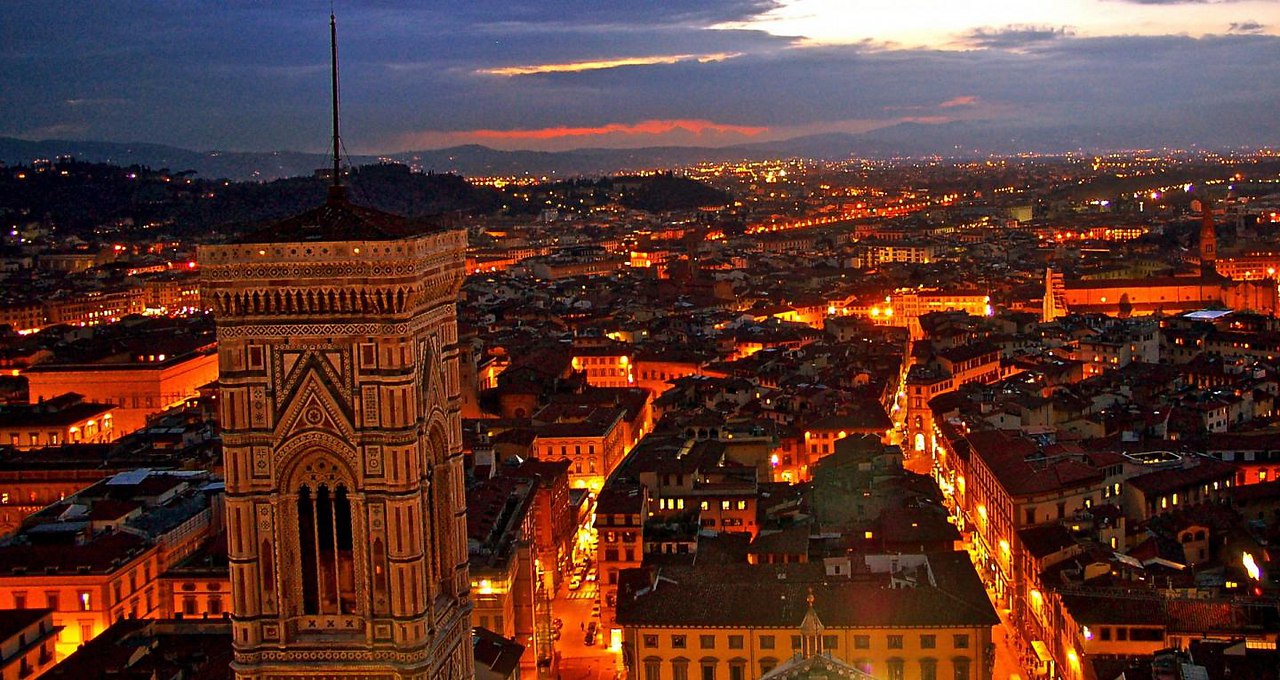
(1208, 241)
(342, 438)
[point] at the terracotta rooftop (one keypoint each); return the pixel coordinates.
(1016, 463)
(774, 596)
(14, 621)
(337, 220)
(1167, 481)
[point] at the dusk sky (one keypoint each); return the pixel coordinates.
(558, 74)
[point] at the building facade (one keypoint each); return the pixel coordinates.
(742, 623)
(340, 408)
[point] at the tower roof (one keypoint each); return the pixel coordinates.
(337, 220)
(811, 625)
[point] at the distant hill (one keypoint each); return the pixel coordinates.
(235, 165)
(957, 139)
(83, 197)
(90, 195)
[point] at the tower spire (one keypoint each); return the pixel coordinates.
(336, 190)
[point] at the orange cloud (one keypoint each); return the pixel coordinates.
(954, 102)
(579, 66)
(645, 127)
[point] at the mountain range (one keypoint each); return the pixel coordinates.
(956, 139)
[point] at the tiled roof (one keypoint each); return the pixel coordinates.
(1014, 462)
(337, 220)
(1177, 615)
(103, 554)
(620, 499)
(1169, 481)
(1044, 540)
(14, 621)
(495, 652)
(774, 596)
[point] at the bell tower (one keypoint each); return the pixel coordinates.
(1208, 241)
(341, 430)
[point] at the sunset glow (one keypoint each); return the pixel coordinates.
(578, 67)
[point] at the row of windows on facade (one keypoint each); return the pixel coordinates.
(55, 439)
(607, 372)
(32, 498)
(602, 360)
(661, 375)
(84, 598)
(895, 669)
(1124, 634)
(191, 607)
(577, 450)
(678, 504)
(53, 600)
(830, 642)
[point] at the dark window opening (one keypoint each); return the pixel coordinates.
(328, 567)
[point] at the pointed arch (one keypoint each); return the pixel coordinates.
(324, 519)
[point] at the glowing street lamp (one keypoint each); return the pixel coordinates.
(1251, 566)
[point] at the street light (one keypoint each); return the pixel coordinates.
(1251, 567)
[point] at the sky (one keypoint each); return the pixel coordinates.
(561, 74)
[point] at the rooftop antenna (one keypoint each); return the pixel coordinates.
(336, 191)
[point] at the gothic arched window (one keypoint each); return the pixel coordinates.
(325, 546)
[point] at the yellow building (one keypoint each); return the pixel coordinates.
(620, 514)
(88, 586)
(26, 648)
(880, 614)
(594, 442)
(96, 557)
(138, 384)
(64, 419)
(905, 306)
(606, 366)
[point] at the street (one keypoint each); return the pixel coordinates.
(579, 661)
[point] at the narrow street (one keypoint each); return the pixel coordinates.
(578, 660)
(1006, 663)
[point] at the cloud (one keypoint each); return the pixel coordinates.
(954, 102)
(248, 75)
(648, 127)
(579, 66)
(1178, 2)
(614, 12)
(1246, 27)
(1015, 37)
(688, 131)
(55, 131)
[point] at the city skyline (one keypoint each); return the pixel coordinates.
(841, 340)
(562, 75)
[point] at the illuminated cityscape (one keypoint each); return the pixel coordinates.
(599, 385)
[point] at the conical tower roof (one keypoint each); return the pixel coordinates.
(811, 625)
